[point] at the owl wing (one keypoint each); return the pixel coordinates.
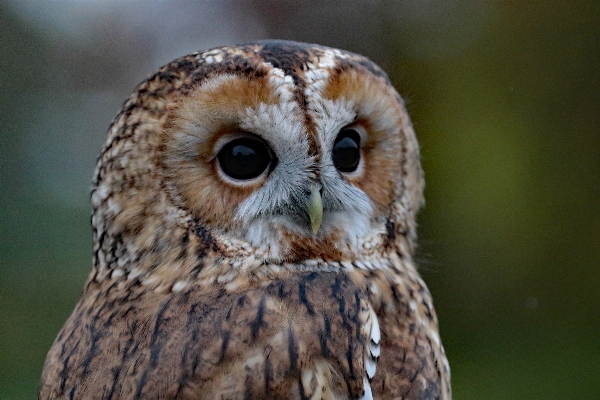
(308, 336)
(412, 364)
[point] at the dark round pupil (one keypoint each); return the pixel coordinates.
(346, 150)
(244, 158)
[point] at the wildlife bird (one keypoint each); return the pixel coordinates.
(254, 225)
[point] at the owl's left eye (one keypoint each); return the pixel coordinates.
(244, 158)
(346, 150)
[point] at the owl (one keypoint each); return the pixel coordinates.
(254, 226)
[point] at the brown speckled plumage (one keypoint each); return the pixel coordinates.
(205, 287)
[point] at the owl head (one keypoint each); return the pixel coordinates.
(281, 151)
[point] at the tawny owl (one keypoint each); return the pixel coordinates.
(254, 225)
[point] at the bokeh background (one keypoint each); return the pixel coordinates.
(505, 99)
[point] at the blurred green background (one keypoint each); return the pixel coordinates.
(505, 99)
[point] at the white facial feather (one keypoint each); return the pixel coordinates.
(330, 117)
(293, 172)
(349, 206)
(282, 197)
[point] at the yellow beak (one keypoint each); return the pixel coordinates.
(315, 207)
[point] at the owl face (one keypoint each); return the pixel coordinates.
(300, 159)
(279, 150)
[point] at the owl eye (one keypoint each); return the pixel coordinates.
(346, 150)
(244, 158)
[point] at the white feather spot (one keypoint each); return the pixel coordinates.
(412, 305)
(374, 289)
(178, 286)
(436, 337)
(311, 263)
(360, 265)
(100, 194)
(234, 285)
(347, 265)
(134, 273)
(375, 332)
(328, 60)
(306, 378)
(371, 367)
(375, 350)
(117, 273)
(368, 393)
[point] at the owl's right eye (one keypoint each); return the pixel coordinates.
(244, 158)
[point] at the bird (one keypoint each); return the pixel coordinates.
(254, 226)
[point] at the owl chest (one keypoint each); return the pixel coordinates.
(303, 337)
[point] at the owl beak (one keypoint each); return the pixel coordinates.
(315, 207)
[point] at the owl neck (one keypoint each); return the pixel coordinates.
(170, 256)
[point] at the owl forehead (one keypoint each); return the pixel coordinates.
(285, 91)
(293, 58)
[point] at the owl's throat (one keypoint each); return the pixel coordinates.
(291, 237)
